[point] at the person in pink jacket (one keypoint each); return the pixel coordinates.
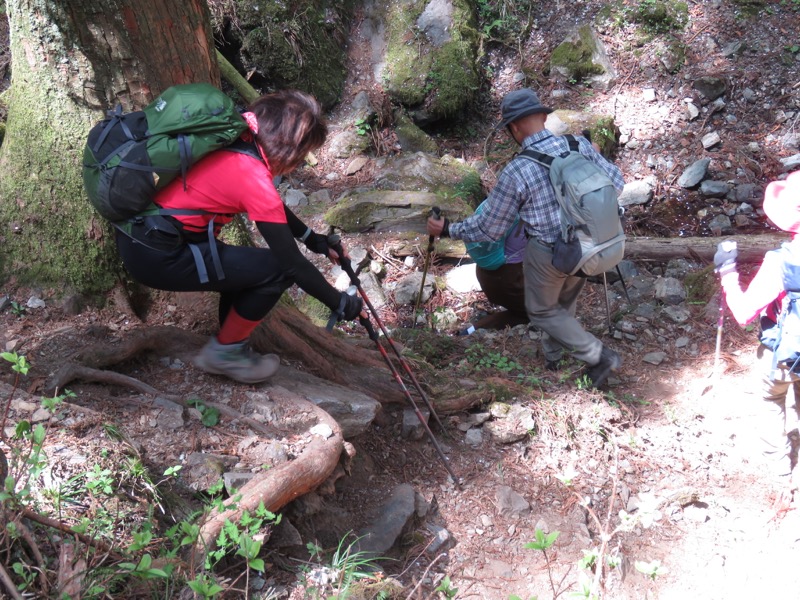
(771, 294)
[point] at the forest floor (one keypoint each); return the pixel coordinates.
(677, 438)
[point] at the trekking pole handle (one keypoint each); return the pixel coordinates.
(335, 242)
(435, 211)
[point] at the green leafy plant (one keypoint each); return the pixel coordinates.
(345, 566)
(17, 309)
(446, 589)
(362, 126)
(482, 358)
(652, 569)
(542, 543)
(209, 416)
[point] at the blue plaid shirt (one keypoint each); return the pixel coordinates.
(524, 189)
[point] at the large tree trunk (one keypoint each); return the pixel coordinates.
(751, 247)
(71, 60)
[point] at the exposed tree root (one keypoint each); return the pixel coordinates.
(71, 371)
(277, 487)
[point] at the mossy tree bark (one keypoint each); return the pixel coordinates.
(71, 60)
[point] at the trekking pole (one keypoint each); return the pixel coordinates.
(334, 242)
(431, 239)
(720, 323)
(608, 308)
(373, 335)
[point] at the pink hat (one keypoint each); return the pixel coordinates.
(782, 203)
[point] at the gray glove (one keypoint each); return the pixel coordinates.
(725, 257)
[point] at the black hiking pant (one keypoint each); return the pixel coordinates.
(250, 279)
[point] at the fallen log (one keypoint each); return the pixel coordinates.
(751, 248)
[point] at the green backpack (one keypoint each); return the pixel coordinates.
(128, 157)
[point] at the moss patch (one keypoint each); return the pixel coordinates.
(299, 46)
(701, 285)
(442, 79)
(576, 57)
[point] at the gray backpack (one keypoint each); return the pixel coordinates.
(592, 240)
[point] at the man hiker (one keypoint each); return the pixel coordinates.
(524, 189)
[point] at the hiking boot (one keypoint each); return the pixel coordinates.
(236, 361)
(552, 365)
(609, 361)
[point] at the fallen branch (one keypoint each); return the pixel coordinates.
(63, 527)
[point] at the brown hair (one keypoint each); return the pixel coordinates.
(290, 125)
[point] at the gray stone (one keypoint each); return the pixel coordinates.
(585, 38)
(510, 503)
(413, 428)
(715, 189)
(441, 539)
(320, 196)
(473, 437)
(236, 481)
(654, 358)
(462, 279)
(352, 410)
(710, 140)
(293, 198)
(670, 290)
(436, 21)
(355, 165)
(637, 192)
(677, 314)
(711, 87)
(790, 163)
(393, 518)
(169, 414)
(407, 288)
(694, 174)
(515, 423)
(720, 224)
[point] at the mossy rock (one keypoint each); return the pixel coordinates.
(437, 75)
(391, 211)
(410, 137)
(602, 128)
(574, 58)
(294, 46)
(661, 16)
(750, 8)
(446, 176)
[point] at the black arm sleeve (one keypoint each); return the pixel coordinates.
(296, 266)
(295, 224)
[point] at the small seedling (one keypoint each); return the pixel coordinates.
(446, 588)
(652, 569)
(209, 416)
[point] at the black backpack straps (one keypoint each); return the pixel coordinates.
(114, 119)
(539, 157)
(185, 152)
(243, 147)
(574, 146)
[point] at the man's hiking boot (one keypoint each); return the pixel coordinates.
(609, 361)
(553, 365)
(237, 361)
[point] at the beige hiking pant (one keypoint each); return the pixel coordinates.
(550, 299)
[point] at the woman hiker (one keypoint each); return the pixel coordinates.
(767, 295)
(181, 253)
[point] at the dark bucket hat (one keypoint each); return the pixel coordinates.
(518, 104)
